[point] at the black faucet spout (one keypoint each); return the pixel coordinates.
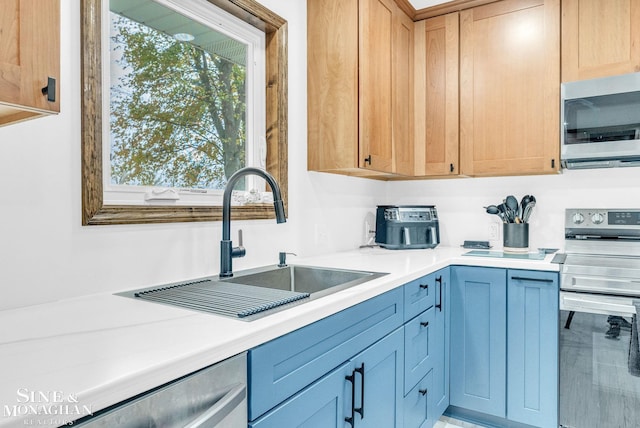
(227, 252)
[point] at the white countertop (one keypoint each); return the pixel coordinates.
(100, 349)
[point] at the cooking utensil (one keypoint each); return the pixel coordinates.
(492, 209)
(523, 203)
(503, 209)
(512, 205)
(527, 210)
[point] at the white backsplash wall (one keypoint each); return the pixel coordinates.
(460, 201)
(45, 253)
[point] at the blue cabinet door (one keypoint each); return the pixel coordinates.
(532, 337)
(368, 389)
(439, 392)
(280, 368)
(324, 404)
(381, 396)
(478, 339)
(418, 410)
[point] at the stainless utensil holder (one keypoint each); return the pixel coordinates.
(516, 237)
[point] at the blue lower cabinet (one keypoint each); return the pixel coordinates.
(478, 339)
(418, 411)
(418, 348)
(504, 346)
(439, 393)
(419, 295)
(324, 404)
(280, 368)
(378, 391)
(532, 338)
(364, 392)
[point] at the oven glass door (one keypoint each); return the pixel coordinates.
(599, 363)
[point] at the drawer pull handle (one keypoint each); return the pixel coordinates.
(352, 378)
(424, 286)
(423, 391)
(361, 408)
(424, 323)
(439, 304)
(523, 278)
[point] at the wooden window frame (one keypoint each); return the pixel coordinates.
(94, 211)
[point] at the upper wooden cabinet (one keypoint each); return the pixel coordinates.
(510, 88)
(29, 58)
(600, 38)
(436, 96)
(359, 87)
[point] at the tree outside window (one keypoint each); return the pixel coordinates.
(178, 109)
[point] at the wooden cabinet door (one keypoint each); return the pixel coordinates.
(509, 88)
(436, 96)
(29, 55)
(599, 38)
(332, 85)
(478, 339)
(402, 88)
(532, 337)
(375, 65)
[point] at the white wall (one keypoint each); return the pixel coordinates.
(460, 202)
(45, 253)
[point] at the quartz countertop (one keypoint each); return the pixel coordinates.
(87, 353)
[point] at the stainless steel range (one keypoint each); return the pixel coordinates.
(600, 291)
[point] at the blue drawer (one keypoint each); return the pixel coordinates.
(282, 367)
(417, 405)
(418, 348)
(419, 295)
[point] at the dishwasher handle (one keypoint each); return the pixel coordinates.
(221, 409)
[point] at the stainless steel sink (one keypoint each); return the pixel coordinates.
(317, 281)
(254, 293)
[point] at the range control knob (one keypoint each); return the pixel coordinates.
(577, 218)
(597, 218)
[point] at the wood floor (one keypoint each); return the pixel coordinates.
(596, 389)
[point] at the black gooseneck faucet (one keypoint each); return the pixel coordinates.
(227, 251)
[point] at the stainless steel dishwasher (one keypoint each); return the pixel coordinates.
(212, 397)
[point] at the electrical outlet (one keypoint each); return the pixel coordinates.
(494, 232)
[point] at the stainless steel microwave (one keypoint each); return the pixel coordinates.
(601, 122)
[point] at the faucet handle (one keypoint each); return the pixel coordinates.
(238, 251)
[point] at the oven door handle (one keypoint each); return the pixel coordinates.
(590, 303)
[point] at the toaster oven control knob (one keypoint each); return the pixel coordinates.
(597, 218)
(577, 218)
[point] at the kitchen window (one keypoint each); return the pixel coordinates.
(185, 85)
(175, 101)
